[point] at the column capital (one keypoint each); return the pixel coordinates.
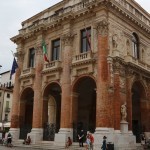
(102, 27)
(67, 39)
(20, 56)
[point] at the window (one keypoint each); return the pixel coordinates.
(8, 95)
(6, 117)
(0, 94)
(85, 40)
(31, 57)
(7, 104)
(55, 49)
(135, 44)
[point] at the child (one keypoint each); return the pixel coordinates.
(88, 142)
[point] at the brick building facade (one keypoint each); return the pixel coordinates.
(99, 60)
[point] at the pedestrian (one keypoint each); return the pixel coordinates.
(9, 140)
(104, 145)
(81, 138)
(69, 142)
(92, 141)
(88, 142)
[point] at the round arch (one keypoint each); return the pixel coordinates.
(26, 111)
(84, 104)
(138, 108)
(51, 110)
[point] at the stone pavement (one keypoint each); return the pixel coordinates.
(16, 148)
(29, 148)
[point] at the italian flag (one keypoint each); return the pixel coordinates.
(45, 52)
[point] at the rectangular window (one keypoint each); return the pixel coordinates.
(85, 40)
(7, 104)
(31, 57)
(8, 95)
(55, 49)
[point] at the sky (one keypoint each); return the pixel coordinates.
(13, 12)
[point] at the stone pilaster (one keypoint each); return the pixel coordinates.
(16, 98)
(66, 123)
(129, 98)
(102, 105)
(38, 101)
(37, 130)
(66, 82)
(117, 97)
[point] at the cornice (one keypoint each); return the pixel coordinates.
(79, 9)
(58, 69)
(80, 63)
(27, 76)
(125, 14)
(131, 66)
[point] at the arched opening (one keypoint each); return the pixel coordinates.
(135, 44)
(138, 123)
(26, 112)
(85, 89)
(51, 111)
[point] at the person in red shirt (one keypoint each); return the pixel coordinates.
(92, 140)
(69, 142)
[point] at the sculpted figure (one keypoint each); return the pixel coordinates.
(123, 112)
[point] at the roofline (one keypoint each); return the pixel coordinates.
(53, 6)
(5, 72)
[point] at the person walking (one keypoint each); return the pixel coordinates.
(81, 138)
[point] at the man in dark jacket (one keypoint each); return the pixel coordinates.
(81, 138)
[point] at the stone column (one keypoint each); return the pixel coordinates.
(16, 95)
(66, 123)
(37, 128)
(102, 103)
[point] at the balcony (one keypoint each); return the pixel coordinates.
(137, 62)
(83, 57)
(27, 72)
(52, 65)
(7, 109)
(83, 64)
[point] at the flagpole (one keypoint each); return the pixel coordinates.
(12, 53)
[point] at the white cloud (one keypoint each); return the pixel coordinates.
(13, 12)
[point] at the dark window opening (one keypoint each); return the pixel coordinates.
(31, 57)
(55, 49)
(85, 40)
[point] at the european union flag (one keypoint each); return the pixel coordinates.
(14, 67)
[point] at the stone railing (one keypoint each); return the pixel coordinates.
(52, 65)
(28, 71)
(82, 57)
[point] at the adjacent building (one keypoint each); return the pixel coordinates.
(98, 53)
(6, 92)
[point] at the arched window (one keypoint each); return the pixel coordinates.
(135, 44)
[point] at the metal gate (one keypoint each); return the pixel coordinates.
(49, 131)
(24, 130)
